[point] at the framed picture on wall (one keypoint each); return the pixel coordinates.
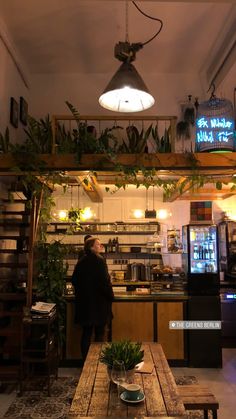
(14, 112)
(23, 111)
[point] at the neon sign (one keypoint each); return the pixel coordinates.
(214, 133)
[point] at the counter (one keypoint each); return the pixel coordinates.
(139, 318)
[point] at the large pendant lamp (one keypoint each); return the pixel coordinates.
(127, 92)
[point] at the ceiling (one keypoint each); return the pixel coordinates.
(78, 36)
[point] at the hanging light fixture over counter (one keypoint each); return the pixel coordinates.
(127, 92)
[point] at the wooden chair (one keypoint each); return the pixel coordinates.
(195, 397)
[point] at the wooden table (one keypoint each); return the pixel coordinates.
(96, 396)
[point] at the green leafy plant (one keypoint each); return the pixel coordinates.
(50, 274)
(85, 142)
(39, 135)
(137, 141)
(5, 145)
(129, 352)
(162, 144)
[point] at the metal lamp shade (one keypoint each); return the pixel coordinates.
(126, 91)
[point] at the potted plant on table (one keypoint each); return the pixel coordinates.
(129, 352)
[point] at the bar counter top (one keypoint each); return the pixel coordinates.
(132, 296)
(169, 296)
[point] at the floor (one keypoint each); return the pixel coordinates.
(222, 382)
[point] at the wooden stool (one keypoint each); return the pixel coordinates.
(195, 397)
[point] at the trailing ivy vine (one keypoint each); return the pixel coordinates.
(80, 140)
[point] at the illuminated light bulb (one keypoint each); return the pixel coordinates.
(138, 213)
(230, 215)
(86, 213)
(62, 215)
(163, 214)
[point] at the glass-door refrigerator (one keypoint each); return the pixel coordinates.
(200, 259)
(227, 248)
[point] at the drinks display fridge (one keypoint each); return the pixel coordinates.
(200, 259)
(227, 248)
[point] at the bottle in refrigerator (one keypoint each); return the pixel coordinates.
(195, 252)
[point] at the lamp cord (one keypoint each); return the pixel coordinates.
(146, 198)
(153, 197)
(71, 197)
(152, 18)
(126, 21)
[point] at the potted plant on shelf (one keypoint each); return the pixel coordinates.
(129, 352)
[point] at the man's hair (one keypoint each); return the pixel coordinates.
(87, 237)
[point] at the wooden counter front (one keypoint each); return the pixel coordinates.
(138, 318)
(171, 340)
(133, 320)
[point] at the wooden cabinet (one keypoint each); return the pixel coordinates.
(172, 340)
(133, 320)
(73, 333)
(137, 319)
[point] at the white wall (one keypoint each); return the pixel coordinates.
(11, 84)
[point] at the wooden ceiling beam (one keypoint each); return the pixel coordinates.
(183, 185)
(91, 187)
(205, 197)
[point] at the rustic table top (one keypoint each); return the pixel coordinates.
(96, 395)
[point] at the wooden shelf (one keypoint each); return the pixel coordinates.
(10, 313)
(132, 255)
(13, 251)
(14, 201)
(9, 371)
(4, 212)
(7, 331)
(13, 265)
(104, 233)
(13, 237)
(12, 296)
(213, 163)
(13, 223)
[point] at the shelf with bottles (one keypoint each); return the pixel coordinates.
(204, 251)
(104, 228)
(129, 255)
